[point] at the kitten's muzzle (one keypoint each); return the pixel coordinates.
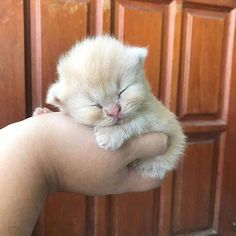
(113, 110)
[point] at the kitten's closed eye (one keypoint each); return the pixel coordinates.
(97, 105)
(119, 95)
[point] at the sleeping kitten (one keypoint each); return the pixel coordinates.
(101, 83)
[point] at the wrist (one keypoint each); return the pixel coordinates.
(23, 184)
(43, 151)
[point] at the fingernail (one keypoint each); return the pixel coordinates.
(165, 143)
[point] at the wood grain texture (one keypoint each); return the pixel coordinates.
(204, 126)
(171, 54)
(201, 77)
(100, 216)
(207, 115)
(12, 62)
(141, 24)
(65, 214)
(103, 16)
(56, 26)
(227, 214)
(135, 214)
(195, 186)
(168, 95)
(215, 3)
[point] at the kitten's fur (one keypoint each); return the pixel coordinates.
(91, 76)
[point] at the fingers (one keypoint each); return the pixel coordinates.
(146, 146)
(138, 183)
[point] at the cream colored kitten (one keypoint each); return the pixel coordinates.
(101, 83)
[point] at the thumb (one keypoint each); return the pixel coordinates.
(146, 146)
(138, 183)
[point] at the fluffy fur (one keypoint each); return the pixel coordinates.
(100, 73)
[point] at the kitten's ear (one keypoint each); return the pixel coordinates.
(139, 53)
(54, 96)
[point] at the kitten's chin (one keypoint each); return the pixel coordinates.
(118, 121)
(111, 122)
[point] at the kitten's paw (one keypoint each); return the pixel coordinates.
(39, 111)
(107, 140)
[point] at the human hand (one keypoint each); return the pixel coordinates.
(49, 153)
(79, 165)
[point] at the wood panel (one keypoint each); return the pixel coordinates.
(156, 24)
(99, 218)
(135, 214)
(215, 3)
(202, 58)
(67, 217)
(141, 24)
(56, 26)
(170, 58)
(103, 17)
(195, 186)
(227, 220)
(12, 62)
(205, 77)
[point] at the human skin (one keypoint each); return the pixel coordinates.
(50, 153)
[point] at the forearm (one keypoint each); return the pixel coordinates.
(33, 153)
(49, 153)
(23, 186)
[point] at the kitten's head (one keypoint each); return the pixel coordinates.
(100, 82)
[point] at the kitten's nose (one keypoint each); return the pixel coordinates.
(113, 109)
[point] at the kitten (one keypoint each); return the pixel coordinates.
(101, 83)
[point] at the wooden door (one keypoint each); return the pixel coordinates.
(192, 69)
(12, 63)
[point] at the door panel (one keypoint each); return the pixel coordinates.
(56, 26)
(135, 214)
(194, 201)
(140, 23)
(227, 216)
(203, 95)
(202, 59)
(12, 62)
(65, 213)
